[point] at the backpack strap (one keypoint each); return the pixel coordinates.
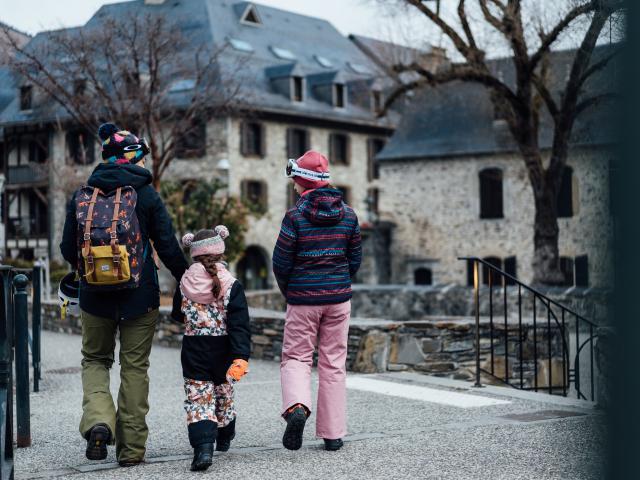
(86, 248)
(114, 233)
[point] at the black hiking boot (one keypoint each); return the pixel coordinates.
(98, 438)
(296, 418)
(202, 457)
(333, 445)
(225, 435)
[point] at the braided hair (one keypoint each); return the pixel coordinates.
(209, 261)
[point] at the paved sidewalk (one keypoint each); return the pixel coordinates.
(401, 426)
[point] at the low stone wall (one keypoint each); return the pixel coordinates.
(405, 302)
(434, 345)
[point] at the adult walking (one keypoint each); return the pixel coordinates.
(317, 254)
(109, 228)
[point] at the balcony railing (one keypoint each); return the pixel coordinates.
(31, 173)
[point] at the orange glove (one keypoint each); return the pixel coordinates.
(238, 369)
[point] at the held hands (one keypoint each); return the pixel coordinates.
(238, 369)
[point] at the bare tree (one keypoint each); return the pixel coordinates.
(140, 72)
(521, 104)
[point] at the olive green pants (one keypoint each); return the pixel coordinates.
(98, 344)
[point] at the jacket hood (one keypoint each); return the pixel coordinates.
(323, 206)
(108, 177)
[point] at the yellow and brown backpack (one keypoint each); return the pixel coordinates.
(110, 249)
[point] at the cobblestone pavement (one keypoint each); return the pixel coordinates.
(401, 426)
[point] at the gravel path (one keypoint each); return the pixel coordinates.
(390, 437)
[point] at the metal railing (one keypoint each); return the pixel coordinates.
(530, 346)
(14, 345)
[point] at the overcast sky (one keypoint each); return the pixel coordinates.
(31, 16)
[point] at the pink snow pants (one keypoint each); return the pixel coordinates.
(326, 326)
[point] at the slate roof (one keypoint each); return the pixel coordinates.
(214, 22)
(457, 119)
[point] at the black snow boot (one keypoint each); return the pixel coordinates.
(202, 436)
(333, 445)
(225, 435)
(296, 417)
(97, 439)
(202, 457)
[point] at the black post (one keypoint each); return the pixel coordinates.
(36, 326)
(22, 361)
(6, 383)
(476, 287)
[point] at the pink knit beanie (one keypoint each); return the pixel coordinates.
(314, 162)
(213, 245)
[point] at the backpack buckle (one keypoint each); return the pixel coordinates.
(116, 259)
(87, 236)
(113, 235)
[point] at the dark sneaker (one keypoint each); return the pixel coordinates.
(99, 437)
(225, 435)
(296, 418)
(333, 445)
(202, 457)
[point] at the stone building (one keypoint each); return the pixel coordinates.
(453, 184)
(312, 89)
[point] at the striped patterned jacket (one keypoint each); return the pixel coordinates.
(318, 250)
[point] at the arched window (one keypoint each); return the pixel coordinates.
(252, 269)
(491, 193)
(422, 276)
(565, 194)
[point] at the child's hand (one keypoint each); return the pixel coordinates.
(237, 370)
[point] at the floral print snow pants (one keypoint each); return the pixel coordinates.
(207, 401)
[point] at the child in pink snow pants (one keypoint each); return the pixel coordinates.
(317, 254)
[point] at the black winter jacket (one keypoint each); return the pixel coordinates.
(207, 357)
(155, 225)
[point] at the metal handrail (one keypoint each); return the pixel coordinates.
(561, 326)
(527, 287)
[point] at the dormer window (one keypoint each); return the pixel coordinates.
(339, 95)
(376, 101)
(297, 89)
(251, 16)
(26, 97)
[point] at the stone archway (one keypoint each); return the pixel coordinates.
(253, 269)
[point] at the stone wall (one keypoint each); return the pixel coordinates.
(435, 345)
(435, 205)
(406, 302)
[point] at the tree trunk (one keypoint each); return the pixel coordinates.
(546, 258)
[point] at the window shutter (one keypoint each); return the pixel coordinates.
(582, 271)
(347, 146)
(243, 190)
(263, 140)
(370, 159)
(510, 267)
(290, 143)
(243, 138)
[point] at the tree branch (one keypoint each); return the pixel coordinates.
(599, 65)
(593, 100)
(462, 14)
(547, 40)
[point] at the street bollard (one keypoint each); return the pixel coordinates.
(36, 327)
(20, 283)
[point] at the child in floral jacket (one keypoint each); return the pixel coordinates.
(215, 346)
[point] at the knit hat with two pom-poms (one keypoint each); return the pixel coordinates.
(206, 242)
